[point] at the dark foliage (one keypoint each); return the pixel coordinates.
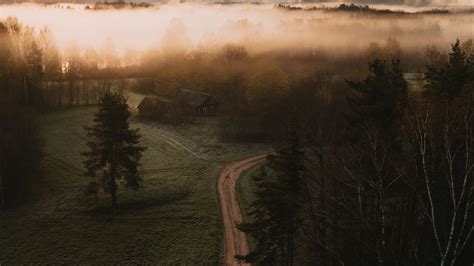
(451, 78)
(397, 193)
(114, 150)
(378, 101)
(276, 207)
(20, 152)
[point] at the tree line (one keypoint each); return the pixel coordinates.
(34, 72)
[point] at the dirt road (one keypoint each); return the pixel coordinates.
(235, 242)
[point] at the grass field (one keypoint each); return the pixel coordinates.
(173, 219)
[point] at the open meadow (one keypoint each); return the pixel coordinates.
(173, 218)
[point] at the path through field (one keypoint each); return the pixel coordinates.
(235, 241)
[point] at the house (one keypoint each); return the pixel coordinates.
(155, 106)
(197, 101)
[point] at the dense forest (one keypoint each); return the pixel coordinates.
(389, 182)
(368, 171)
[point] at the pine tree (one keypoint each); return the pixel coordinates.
(378, 101)
(369, 186)
(114, 150)
(450, 78)
(275, 209)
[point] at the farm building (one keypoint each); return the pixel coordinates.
(197, 101)
(415, 81)
(154, 106)
(186, 101)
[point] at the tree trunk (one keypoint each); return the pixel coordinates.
(114, 196)
(113, 185)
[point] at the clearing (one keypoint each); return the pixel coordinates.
(173, 219)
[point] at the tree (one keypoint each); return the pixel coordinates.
(110, 57)
(266, 87)
(266, 93)
(233, 52)
(450, 79)
(74, 62)
(275, 209)
(50, 54)
(441, 172)
(6, 60)
(438, 139)
(91, 62)
(388, 51)
(321, 224)
(370, 192)
(34, 73)
(114, 150)
(378, 101)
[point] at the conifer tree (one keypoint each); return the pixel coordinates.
(377, 105)
(450, 78)
(276, 207)
(379, 99)
(114, 150)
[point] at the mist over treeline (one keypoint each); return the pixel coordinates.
(404, 2)
(240, 71)
(260, 29)
(206, 48)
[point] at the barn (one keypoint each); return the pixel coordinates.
(415, 81)
(155, 106)
(197, 101)
(185, 102)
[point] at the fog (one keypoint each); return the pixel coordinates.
(260, 28)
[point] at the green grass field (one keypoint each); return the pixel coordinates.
(174, 218)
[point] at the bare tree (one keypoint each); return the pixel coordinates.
(320, 232)
(441, 153)
(369, 182)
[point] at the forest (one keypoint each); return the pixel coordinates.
(367, 166)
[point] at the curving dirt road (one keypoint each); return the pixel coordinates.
(235, 241)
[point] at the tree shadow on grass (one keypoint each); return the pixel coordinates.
(129, 206)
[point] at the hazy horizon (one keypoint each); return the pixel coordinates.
(260, 28)
(404, 2)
